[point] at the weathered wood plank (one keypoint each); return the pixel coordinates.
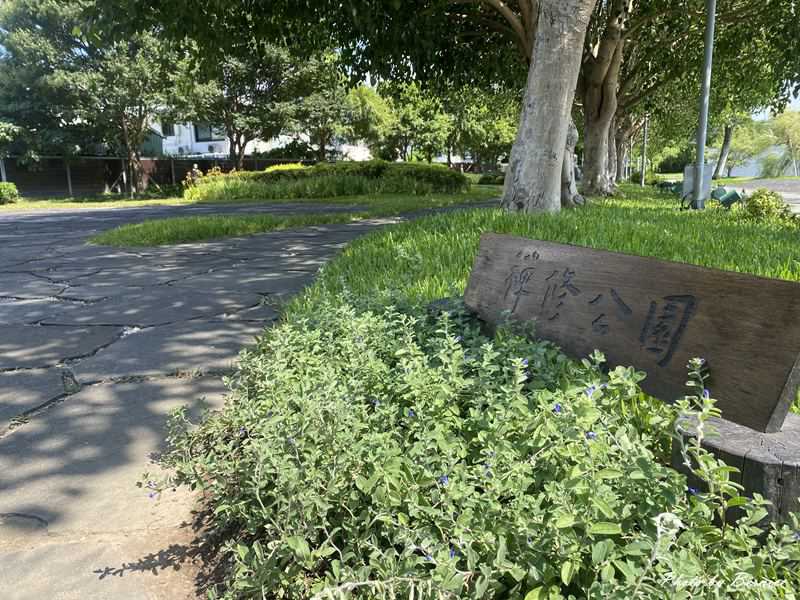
(655, 315)
(768, 463)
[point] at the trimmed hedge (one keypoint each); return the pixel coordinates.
(440, 178)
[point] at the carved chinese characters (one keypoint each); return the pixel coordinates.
(654, 315)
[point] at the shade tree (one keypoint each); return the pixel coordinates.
(250, 96)
(69, 89)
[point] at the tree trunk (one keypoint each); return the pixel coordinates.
(612, 155)
(137, 179)
(533, 182)
(622, 157)
(600, 81)
(569, 188)
(724, 152)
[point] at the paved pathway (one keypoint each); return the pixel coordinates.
(789, 188)
(97, 345)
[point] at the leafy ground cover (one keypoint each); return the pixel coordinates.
(387, 454)
(373, 448)
(180, 230)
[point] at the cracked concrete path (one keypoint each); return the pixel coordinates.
(97, 346)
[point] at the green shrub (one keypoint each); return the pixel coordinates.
(764, 206)
(8, 193)
(285, 167)
(494, 178)
(387, 454)
(327, 180)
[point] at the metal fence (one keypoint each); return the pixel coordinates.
(55, 176)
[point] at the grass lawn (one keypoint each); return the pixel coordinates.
(181, 230)
(483, 191)
(87, 203)
(431, 258)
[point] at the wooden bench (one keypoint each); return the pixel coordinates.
(657, 315)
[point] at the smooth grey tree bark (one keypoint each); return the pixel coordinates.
(611, 167)
(534, 178)
(599, 88)
(724, 152)
(570, 197)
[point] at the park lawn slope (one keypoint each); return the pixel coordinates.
(431, 258)
(179, 230)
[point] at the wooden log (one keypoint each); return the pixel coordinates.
(655, 315)
(768, 463)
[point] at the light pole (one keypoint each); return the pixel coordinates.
(644, 149)
(698, 197)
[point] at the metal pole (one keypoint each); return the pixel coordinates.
(699, 200)
(644, 149)
(2, 171)
(69, 178)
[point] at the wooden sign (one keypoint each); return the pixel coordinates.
(654, 315)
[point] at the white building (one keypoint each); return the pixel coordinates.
(201, 139)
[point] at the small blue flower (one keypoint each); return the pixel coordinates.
(242, 431)
(524, 362)
(590, 390)
(444, 480)
(591, 435)
(152, 495)
(411, 413)
(458, 338)
(375, 402)
(453, 553)
(557, 408)
(796, 536)
(706, 394)
(428, 558)
(487, 470)
(693, 491)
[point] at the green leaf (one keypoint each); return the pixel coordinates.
(625, 569)
(501, 552)
(299, 546)
(568, 570)
(565, 521)
(539, 593)
(603, 507)
(609, 474)
(605, 528)
(600, 552)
